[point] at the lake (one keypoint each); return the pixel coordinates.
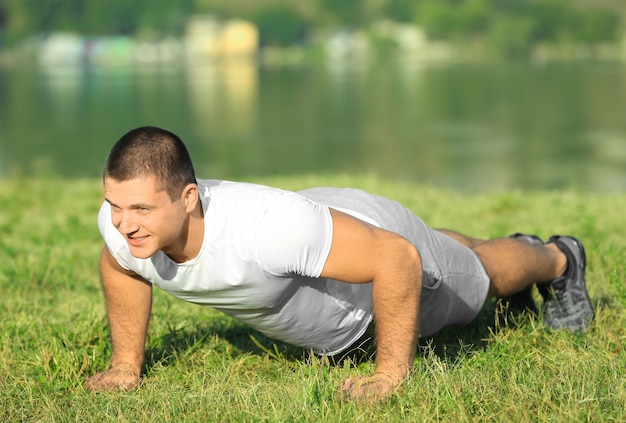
(472, 127)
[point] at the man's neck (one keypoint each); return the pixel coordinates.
(192, 237)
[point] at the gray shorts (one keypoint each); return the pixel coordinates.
(454, 281)
(454, 285)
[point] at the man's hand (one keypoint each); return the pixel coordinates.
(369, 389)
(119, 378)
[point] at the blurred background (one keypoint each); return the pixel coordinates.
(475, 95)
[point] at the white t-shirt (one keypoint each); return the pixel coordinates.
(263, 252)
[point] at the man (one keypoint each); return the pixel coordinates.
(313, 268)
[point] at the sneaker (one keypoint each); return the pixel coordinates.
(566, 301)
(522, 301)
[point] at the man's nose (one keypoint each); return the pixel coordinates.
(124, 222)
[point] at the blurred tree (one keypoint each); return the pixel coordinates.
(436, 17)
(598, 26)
(162, 18)
(453, 18)
(14, 24)
(511, 28)
(473, 16)
(201, 6)
(280, 25)
(350, 13)
(507, 26)
(510, 36)
(399, 10)
(113, 17)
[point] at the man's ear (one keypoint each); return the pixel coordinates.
(189, 197)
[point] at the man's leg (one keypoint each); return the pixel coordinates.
(463, 239)
(514, 264)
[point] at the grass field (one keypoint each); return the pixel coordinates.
(203, 366)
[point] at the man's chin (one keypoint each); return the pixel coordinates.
(141, 255)
(141, 252)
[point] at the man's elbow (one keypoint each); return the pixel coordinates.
(404, 257)
(409, 252)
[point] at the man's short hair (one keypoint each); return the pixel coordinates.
(151, 151)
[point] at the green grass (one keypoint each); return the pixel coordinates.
(203, 366)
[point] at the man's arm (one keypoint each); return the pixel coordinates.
(128, 302)
(362, 253)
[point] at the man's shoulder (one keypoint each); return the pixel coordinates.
(242, 207)
(242, 196)
(208, 186)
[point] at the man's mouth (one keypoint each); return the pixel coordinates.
(136, 241)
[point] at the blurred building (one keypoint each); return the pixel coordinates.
(207, 38)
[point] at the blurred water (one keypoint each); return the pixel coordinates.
(474, 127)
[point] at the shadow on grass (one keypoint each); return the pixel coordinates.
(233, 338)
(452, 344)
(236, 339)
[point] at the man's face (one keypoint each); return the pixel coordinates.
(147, 218)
